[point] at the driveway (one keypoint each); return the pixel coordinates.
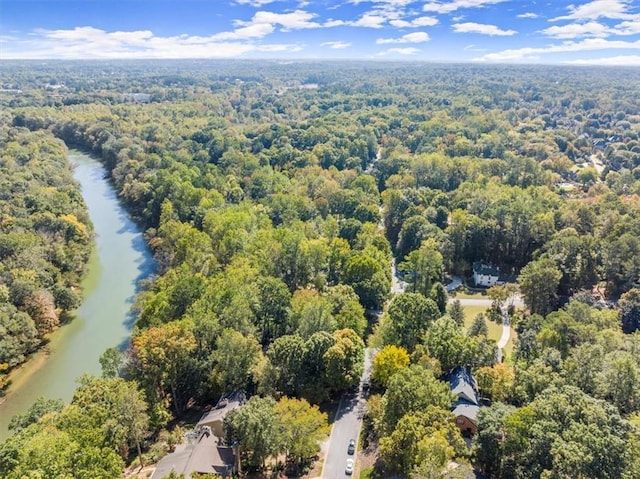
(346, 426)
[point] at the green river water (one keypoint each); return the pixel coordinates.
(119, 261)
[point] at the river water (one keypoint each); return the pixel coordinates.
(120, 259)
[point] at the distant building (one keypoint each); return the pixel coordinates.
(485, 274)
(137, 97)
(467, 403)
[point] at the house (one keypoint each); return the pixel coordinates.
(485, 274)
(203, 451)
(215, 417)
(467, 404)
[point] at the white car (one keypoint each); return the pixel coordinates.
(349, 469)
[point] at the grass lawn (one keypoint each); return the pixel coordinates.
(495, 330)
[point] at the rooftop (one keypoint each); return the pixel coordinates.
(225, 406)
(203, 454)
(480, 267)
(463, 385)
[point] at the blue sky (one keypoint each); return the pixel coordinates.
(604, 32)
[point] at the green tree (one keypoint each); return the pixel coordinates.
(344, 360)
(446, 342)
(347, 310)
(629, 310)
(496, 382)
(116, 406)
(539, 282)
(368, 280)
(314, 375)
(428, 436)
(110, 362)
(410, 315)
(160, 354)
(423, 268)
(488, 449)
(312, 313)
(254, 426)
(301, 428)
(456, 312)
(565, 433)
(38, 409)
(587, 176)
(439, 295)
(411, 390)
(284, 365)
(619, 381)
(478, 326)
(234, 359)
(50, 452)
(273, 308)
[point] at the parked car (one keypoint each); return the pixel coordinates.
(351, 449)
(349, 469)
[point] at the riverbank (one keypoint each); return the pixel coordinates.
(22, 373)
(119, 260)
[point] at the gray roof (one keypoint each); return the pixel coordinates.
(224, 407)
(463, 385)
(485, 269)
(466, 409)
(203, 455)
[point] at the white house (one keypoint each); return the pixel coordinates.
(485, 274)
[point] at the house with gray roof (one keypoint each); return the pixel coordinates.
(203, 451)
(467, 404)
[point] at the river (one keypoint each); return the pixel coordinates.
(120, 259)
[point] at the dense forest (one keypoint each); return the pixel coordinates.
(274, 198)
(45, 241)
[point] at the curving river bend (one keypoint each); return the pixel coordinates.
(120, 259)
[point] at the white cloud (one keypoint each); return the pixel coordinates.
(296, 20)
(333, 23)
(530, 53)
(593, 29)
(400, 51)
(576, 30)
(528, 15)
(453, 5)
(622, 60)
(471, 27)
(615, 9)
(631, 27)
(416, 37)
(257, 30)
(337, 45)
(369, 20)
(93, 43)
(415, 23)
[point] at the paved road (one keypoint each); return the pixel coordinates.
(346, 426)
(517, 301)
(455, 283)
(397, 285)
